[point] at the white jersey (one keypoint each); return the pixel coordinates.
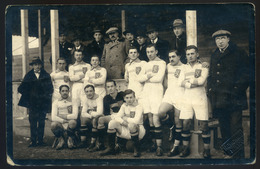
(130, 113)
(133, 72)
(57, 78)
(64, 107)
(153, 88)
(92, 107)
(98, 78)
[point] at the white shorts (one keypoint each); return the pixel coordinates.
(153, 94)
(126, 132)
(173, 98)
(196, 103)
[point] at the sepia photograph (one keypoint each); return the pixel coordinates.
(130, 84)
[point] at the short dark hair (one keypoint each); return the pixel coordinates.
(110, 80)
(89, 85)
(95, 55)
(192, 47)
(175, 51)
(151, 45)
(133, 47)
(64, 85)
(129, 91)
(61, 58)
(78, 50)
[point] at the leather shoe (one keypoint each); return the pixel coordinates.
(159, 151)
(174, 151)
(206, 153)
(185, 152)
(32, 144)
(41, 143)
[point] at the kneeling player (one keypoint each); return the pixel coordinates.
(64, 120)
(128, 124)
(193, 78)
(91, 111)
(172, 98)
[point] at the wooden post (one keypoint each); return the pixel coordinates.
(191, 30)
(40, 37)
(123, 20)
(25, 47)
(54, 37)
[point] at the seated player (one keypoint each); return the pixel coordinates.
(96, 76)
(133, 73)
(193, 78)
(91, 111)
(59, 77)
(128, 124)
(64, 120)
(172, 98)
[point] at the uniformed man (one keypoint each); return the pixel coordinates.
(173, 98)
(77, 73)
(97, 45)
(128, 124)
(161, 45)
(179, 41)
(193, 79)
(227, 84)
(59, 77)
(92, 109)
(96, 76)
(133, 73)
(64, 117)
(114, 55)
(153, 94)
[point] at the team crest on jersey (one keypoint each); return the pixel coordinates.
(197, 73)
(138, 70)
(177, 73)
(132, 114)
(69, 109)
(97, 75)
(92, 109)
(155, 68)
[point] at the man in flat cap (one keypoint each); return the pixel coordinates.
(227, 84)
(97, 45)
(179, 41)
(36, 89)
(161, 45)
(114, 55)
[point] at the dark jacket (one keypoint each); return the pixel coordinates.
(163, 49)
(83, 48)
(179, 44)
(95, 49)
(36, 93)
(142, 50)
(229, 78)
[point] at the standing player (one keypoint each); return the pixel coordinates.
(59, 77)
(96, 76)
(153, 94)
(128, 124)
(91, 111)
(77, 73)
(133, 72)
(193, 78)
(64, 120)
(173, 97)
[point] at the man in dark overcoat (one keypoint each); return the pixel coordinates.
(97, 45)
(161, 45)
(227, 84)
(36, 90)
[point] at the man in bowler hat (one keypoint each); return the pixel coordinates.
(36, 89)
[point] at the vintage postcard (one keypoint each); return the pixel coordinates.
(130, 84)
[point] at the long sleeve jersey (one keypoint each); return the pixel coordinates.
(57, 78)
(130, 113)
(92, 107)
(63, 106)
(173, 74)
(98, 77)
(76, 70)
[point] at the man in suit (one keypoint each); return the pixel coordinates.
(36, 89)
(97, 45)
(161, 45)
(227, 84)
(114, 55)
(78, 45)
(142, 43)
